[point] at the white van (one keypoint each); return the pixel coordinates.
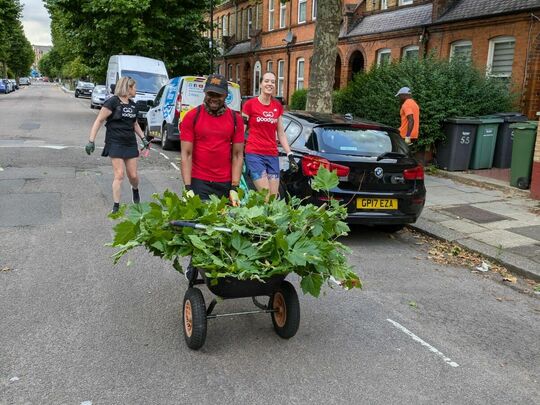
(174, 100)
(150, 75)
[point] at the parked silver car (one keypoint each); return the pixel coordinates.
(99, 95)
(83, 89)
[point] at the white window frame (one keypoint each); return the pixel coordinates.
(225, 25)
(257, 74)
(282, 15)
(271, 15)
(218, 71)
(229, 72)
(238, 73)
(405, 2)
(491, 53)
(313, 10)
(384, 4)
(457, 44)
(383, 51)
(270, 66)
(280, 77)
(409, 49)
(300, 4)
(249, 20)
(300, 73)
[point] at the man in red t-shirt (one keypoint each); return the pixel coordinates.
(410, 115)
(212, 144)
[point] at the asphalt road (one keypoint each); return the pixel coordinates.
(76, 329)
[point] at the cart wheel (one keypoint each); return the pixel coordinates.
(194, 318)
(286, 319)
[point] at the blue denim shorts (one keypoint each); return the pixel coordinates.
(260, 166)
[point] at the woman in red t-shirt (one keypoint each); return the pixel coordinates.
(264, 121)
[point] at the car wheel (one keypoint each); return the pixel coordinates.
(92, 106)
(166, 143)
(391, 228)
(76, 94)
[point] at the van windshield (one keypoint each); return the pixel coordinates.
(146, 82)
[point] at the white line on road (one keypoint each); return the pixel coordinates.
(164, 155)
(176, 167)
(447, 360)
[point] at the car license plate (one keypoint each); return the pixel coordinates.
(377, 203)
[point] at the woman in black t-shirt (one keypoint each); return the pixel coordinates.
(120, 116)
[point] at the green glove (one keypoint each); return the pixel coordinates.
(90, 147)
(146, 144)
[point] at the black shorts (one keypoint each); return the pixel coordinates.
(115, 150)
(205, 189)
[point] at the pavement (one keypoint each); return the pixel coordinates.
(486, 216)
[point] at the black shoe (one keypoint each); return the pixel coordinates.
(136, 197)
(115, 208)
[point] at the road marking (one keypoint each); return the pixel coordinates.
(447, 360)
(164, 155)
(176, 167)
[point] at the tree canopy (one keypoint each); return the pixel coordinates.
(89, 32)
(16, 54)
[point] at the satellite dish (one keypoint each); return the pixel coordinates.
(289, 38)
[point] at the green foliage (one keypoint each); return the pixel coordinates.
(165, 30)
(442, 89)
(267, 237)
(299, 99)
(16, 54)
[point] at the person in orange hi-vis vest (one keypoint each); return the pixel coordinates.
(410, 115)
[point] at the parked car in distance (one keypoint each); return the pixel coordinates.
(3, 87)
(99, 94)
(14, 84)
(174, 100)
(9, 86)
(83, 89)
(24, 81)
(379, 181)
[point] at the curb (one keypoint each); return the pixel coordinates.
(513, 263)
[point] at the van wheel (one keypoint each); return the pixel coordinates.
(166, 143)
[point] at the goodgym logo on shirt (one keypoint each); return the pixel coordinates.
(268, 116)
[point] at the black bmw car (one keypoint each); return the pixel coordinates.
(380, 182)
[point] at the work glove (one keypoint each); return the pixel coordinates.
(293, 166)
(233, 196)
(90, 147)
(189, 191)
(407, 140)
(146, 144)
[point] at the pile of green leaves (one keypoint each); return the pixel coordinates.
(268, 238)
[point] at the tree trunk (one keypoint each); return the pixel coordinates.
(323, 63)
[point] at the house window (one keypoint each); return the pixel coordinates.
(405, 2)
(219, 69)
(229, 76)
(410, 52)
(282, 15)
(461, 50)
(384, 4)
(225, 26)
(300, 73)
(281, 77)
(238, 73)
(257, 79)
(271, 15)
(302, 4)
(249, 20)
(270, 66)
(314, 9)
(383, 56)
(501, 56)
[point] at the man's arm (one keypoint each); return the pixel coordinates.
(186, 154)
(237, 162)
(410, 125)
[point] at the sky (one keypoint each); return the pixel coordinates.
(36, 22)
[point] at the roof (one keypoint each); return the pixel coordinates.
(315, 119)
(240, 48)
(464, 9)
(399, 19)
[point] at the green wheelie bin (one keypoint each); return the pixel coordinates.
(485, 141)
(522, 153)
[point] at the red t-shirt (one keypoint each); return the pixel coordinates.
(212, 143)
(262, 124)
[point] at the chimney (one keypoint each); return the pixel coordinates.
(440, 7)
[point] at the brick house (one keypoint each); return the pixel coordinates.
(500, 36)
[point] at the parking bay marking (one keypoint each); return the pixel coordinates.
(432, 349)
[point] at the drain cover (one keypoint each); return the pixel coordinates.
(475, 214)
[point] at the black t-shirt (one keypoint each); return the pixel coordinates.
(120, 123)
